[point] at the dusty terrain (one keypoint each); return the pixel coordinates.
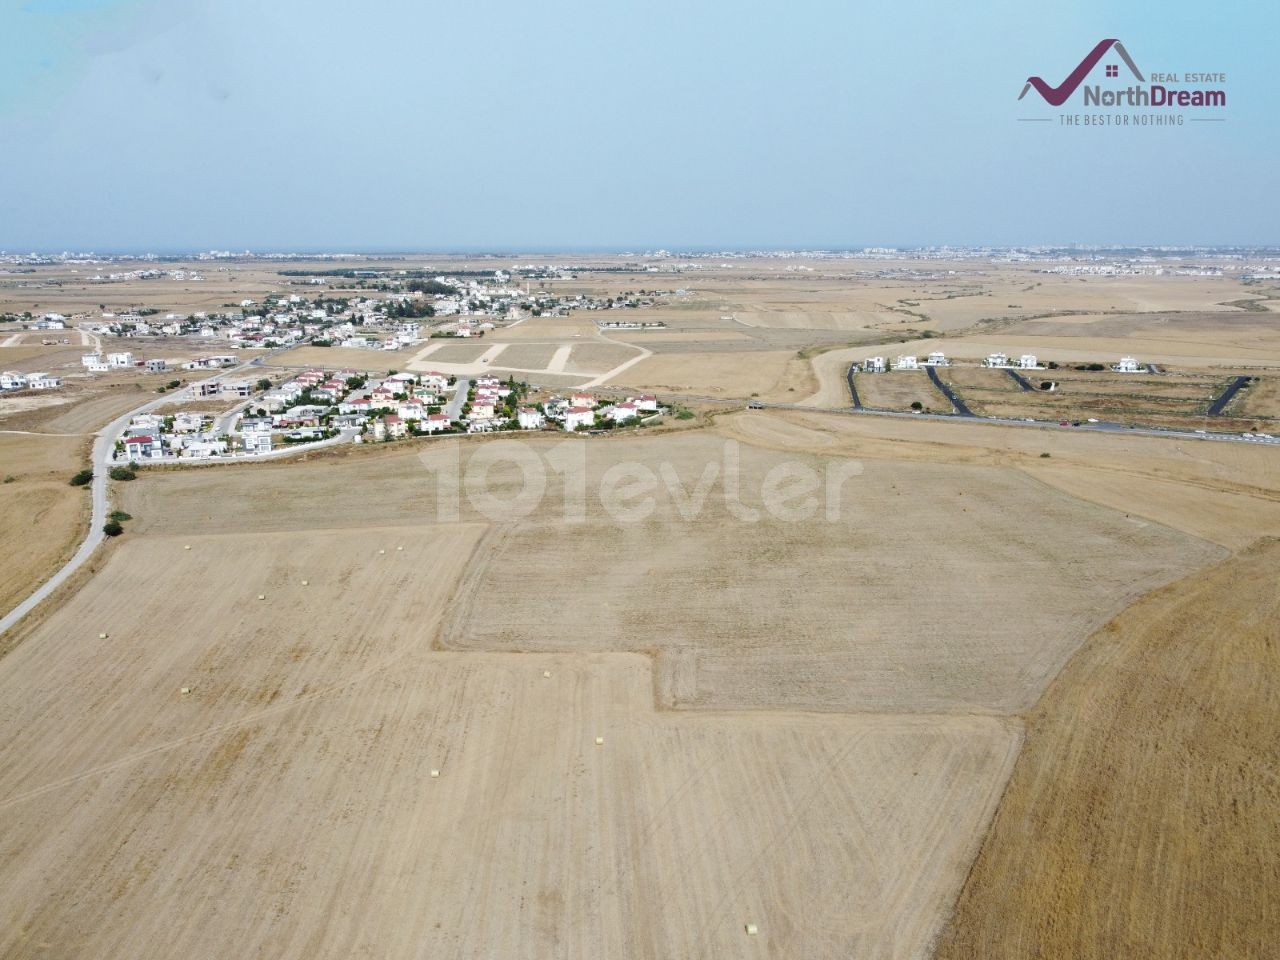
(1140, 820)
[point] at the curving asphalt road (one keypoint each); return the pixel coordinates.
(101, 462)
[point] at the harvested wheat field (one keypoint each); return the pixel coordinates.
(1224, 493)
(42, 517)
(912, 587)
(767, 373)
(330, 358)
(1141, 817)
(286, 805)
(1260, 399)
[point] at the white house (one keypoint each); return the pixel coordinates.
(577, 399)
(1028, 362)
(205, 448)
(143, 448)
(43, 381)
(255, 434)
(530, 418)
(1127, 365)
(646, 402)
(434, 423)
(874, 365)
(188, 422)
(156, 366)
(576, 417)
(90, 359)
(996, 360)
(938, 359)
(120, 359)
(906, 363)
(13, 380)
(622, 412)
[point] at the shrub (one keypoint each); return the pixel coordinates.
(122, 473)
(684, 415)
(81, 478)
(10, 478)
(119, 516)
(917, 405)
(112, 529)
(1045, 456)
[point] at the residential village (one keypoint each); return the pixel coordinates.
(318, 405)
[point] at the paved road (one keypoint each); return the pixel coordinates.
(1099, 427)
(853, 391)
(948, 392)
(101, 461)
(1216, 408)
(1019, 379)
(454, 410)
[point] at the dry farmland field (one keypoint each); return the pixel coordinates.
(784, 683)
(898, 391)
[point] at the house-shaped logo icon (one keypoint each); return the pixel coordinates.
(1057, 96)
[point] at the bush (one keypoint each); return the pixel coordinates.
(81, 478)
(1045, 456)
(119, 516)
(917, 405)
(10, 478)
(684, 415)
(123, 473)
(112, 529)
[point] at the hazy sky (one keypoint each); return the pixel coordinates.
(600, 124)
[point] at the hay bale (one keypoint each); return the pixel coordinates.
(186, 690)
(434, 774)
(599, 741)
(752, 930)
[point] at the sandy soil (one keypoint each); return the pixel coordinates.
(1140, 820)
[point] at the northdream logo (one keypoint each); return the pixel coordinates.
(1164, 91)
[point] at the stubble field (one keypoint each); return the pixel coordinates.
(286, 806)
